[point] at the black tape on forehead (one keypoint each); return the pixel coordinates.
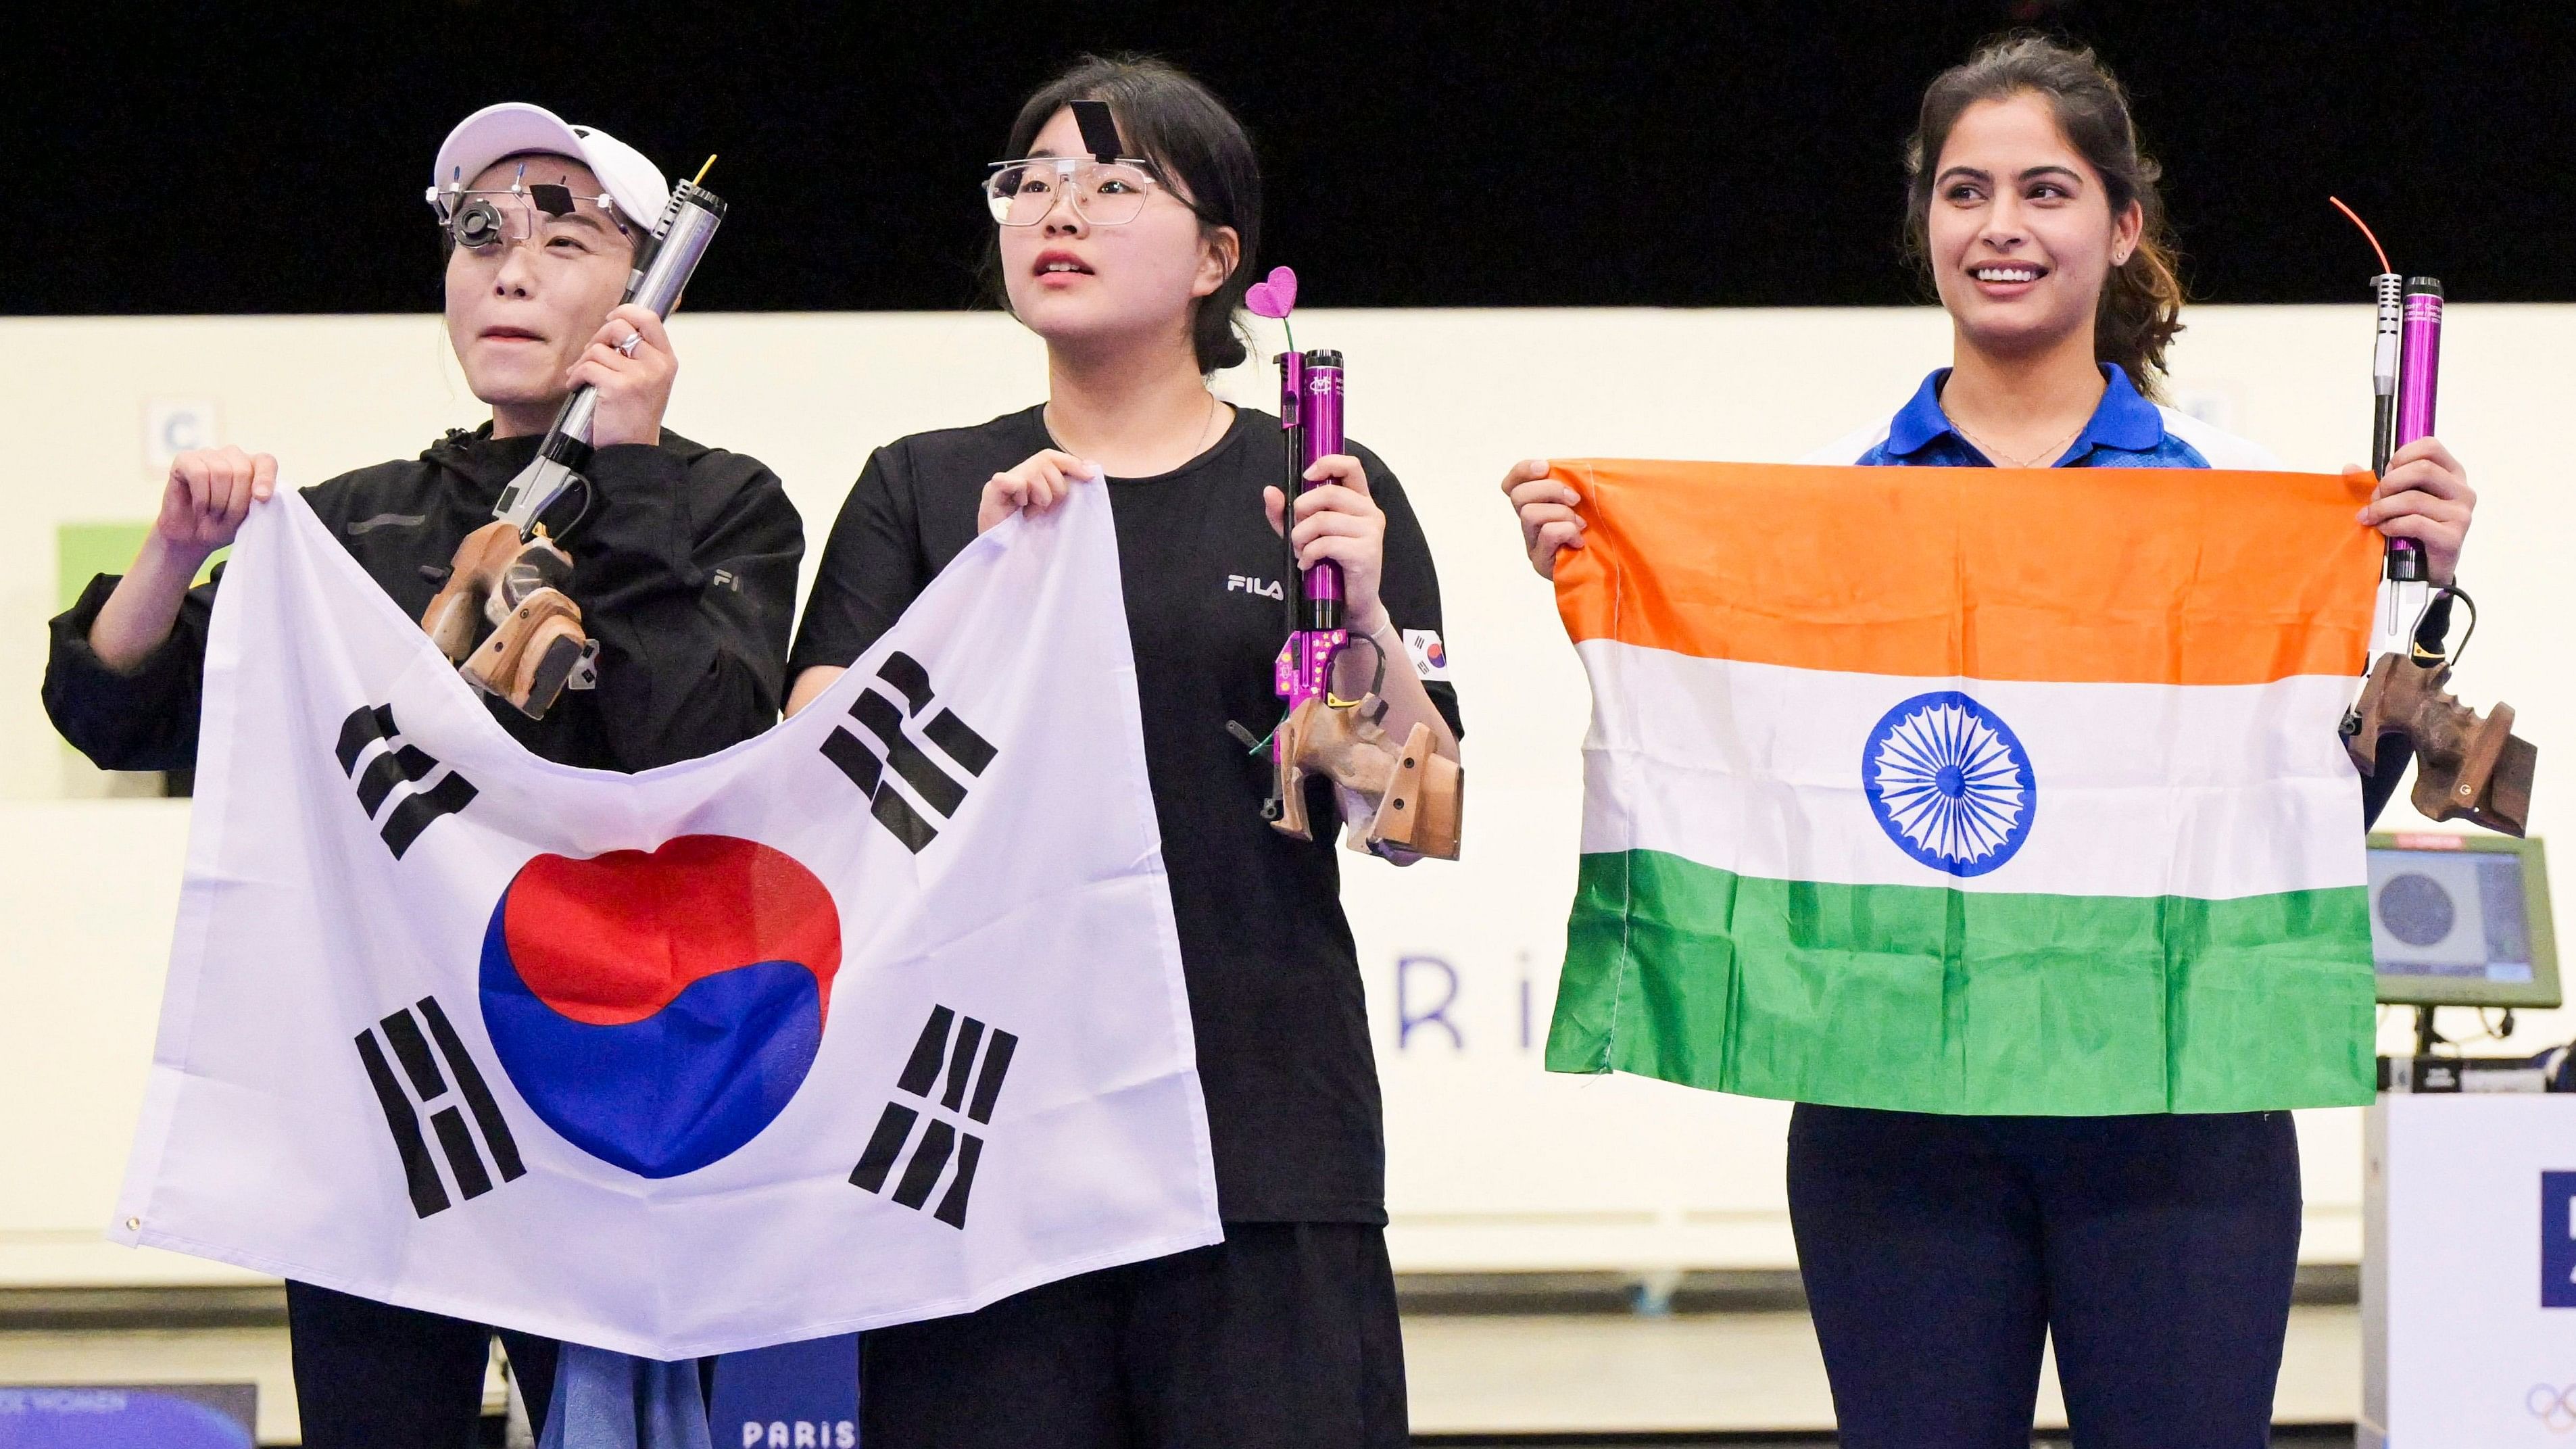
(1099, 130)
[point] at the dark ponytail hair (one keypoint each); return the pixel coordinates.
(1166, 117)
(2142, 299)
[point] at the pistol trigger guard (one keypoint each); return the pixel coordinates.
(2414, 646)
(1377, 681)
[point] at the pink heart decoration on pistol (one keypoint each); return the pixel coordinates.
(1275, 296)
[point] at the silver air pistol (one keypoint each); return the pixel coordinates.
(504, 613)
(662, 270)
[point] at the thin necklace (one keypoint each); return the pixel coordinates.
(1198, 444)
(2048, 454)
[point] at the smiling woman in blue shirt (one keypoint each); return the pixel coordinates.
(1941, 1252)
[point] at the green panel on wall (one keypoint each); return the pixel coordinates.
(84, 549)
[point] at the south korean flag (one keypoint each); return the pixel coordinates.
(876, 1017)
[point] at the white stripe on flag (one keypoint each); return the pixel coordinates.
(2213, 791)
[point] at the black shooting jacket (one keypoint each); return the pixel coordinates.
(684, 564)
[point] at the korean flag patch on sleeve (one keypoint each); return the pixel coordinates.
(1430, 656)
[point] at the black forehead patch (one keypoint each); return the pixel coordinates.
(552, 199)
(1099, 130)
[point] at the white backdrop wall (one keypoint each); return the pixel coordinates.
(1493, 1164)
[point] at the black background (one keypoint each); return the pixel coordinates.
(214, 160)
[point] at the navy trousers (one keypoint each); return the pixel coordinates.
(1940, 1252)
(1284, 1336)
(369, 1375)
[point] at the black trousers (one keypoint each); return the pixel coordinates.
(1284, 1336)
(1938, 1251)
(369, 1375)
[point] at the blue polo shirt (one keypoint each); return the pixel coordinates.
(2125, 431)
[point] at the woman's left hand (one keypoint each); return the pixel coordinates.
(1338, 521)
(2425, 496)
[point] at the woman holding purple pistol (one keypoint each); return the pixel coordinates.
(1126, 220)
(1941, 1253)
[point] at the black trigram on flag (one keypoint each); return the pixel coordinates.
(937, 792)
(420, 1089)
(972, 1088)
(370, 734)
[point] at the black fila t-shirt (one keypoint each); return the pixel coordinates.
(1274, 983)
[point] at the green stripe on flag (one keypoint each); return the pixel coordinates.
(1927, 999)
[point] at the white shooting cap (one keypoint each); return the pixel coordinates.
(633, 183)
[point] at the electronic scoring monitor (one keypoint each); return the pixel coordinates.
(2461, 920)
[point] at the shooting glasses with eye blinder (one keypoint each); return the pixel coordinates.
(509, 573)
(1103, 193)
(483, 219)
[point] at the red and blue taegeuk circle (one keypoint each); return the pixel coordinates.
(659, 1009)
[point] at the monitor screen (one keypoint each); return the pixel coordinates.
(2458, 919)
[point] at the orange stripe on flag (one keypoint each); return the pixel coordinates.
(2085, 575)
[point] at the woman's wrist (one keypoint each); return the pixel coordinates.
(161, 558)
(140, 611)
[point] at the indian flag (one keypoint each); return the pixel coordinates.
(1971, 790)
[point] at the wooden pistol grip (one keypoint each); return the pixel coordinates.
(1346, 746)
(456, 613)
(1422, 805)
(2493, 784)
(2508, 804)
(2478, 756)
(556, 648)
(1444, 807)
(2486, 777)
(1288, 749)
(506, 662)
(451, 619)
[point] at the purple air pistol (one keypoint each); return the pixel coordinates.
(1412, 794)
(1310, 409)
(2419, 373)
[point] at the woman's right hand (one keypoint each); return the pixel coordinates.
(1036, 484)
(1546, 508)
(209, 493)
